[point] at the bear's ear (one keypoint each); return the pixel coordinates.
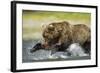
(51, 27)
(43, 27)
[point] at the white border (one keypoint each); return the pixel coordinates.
(37, 65)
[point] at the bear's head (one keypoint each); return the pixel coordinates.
(50, 34)
(53, 32)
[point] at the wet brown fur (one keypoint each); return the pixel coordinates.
(64, 32)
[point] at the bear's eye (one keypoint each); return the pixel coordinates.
(51, 29)
(43, 35)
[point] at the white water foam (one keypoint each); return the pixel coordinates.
(76, 50)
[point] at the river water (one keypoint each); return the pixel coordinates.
(77, 53)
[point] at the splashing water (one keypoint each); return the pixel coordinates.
(75, 50)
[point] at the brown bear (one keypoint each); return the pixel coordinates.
(58, 33)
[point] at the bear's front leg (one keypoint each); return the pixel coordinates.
(58, 44)
(60, 41)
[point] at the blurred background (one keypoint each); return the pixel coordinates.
(34, 20)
